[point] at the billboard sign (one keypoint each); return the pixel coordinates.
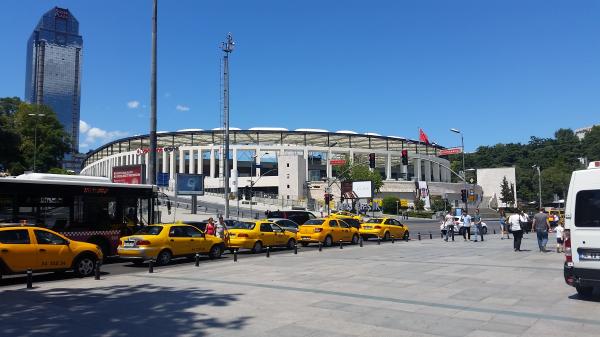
(189, 184)
(337, 162)
(162, 179)
(362, 189)
(454, 150)
(129, 174)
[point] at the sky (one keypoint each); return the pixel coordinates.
(499, 70)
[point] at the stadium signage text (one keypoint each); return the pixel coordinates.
(141, 151)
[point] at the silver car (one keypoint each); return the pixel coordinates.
(286, 224)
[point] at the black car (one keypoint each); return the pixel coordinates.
(299, 217)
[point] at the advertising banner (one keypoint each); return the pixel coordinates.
(423, 193)
(189, 184)
(454, 150)
(129, 174)
(362, 189)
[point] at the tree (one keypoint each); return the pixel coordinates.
(439, 204)
(505, 195)
(9, 137)
(52, 140)
(419, 205)
(390, 204)
(591, 144)
(511, 199)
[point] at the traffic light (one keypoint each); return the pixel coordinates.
(463, 195)
(372, 160)
(404, 157)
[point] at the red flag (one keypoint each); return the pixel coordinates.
(423, 137)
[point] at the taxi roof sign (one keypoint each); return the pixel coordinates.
(594, 164)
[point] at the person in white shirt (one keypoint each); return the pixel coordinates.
(514, 223)
(560, 238)
(466, 227)
(449, 225)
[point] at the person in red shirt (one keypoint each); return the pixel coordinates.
(210, 227)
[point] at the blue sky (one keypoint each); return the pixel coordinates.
(500, 70)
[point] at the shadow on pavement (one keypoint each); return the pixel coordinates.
(142, 310)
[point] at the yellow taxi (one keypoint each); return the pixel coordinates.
(326, 231)
(162, 242)
(346, 215)
(259, 234)
(40, 249)
(383, 228)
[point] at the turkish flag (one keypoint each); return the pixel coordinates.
(423, 137)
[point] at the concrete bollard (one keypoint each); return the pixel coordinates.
(494, 230)
(341, 245)
(419, 235)
(197, 260)
(320, 246)
(296, 249)
(151, 266)
(378, 240)
(235, 251)
(97, 270)
(430, 236)
(268, 251)
(29, 278)
(360, 241)
(392, 239)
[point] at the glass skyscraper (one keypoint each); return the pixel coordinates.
(54, 69)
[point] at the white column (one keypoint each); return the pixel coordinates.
(257, 162)
(164, 161)
(235, 163)
(417, 168)
(200, 163)
(427, 170)
(436, 172)
(212, 162)
(146, 161)
(388, 167)
(192, 162)
(328, 170)
(181, 161)
(171, 165)
(306, 162)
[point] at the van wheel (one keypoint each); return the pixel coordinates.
(584, 291)
(84, 266)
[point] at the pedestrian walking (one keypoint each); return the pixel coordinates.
(210, 226)
(514, 222)
(449, 225)
(477, 221)
(221, 228)
(504, 228)
(466, 227)
(560, 238)
(541, 227)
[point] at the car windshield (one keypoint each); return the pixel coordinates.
(242, 225)
(314, 222)
(374, 220)
(150, 230)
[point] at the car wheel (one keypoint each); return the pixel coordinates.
(584, 291)
(163, 258)
(84, 266)
(304, 244)
(328, 241)
(215, 252)
(405, 236)
(386, 236)
(291, 243)
(354, 239)
(258, 247)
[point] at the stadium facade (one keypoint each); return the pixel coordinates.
(289, 164)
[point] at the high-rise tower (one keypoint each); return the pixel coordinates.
(54, 68)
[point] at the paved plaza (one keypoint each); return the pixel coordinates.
(416, 288)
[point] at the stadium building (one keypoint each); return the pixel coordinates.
(277, 162)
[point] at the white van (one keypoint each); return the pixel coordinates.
(582, 224)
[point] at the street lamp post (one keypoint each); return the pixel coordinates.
(462, 146)
(35, 137)
(539, 184)
(227, 48)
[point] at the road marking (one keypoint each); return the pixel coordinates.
(512, 313)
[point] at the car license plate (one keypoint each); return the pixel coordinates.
(367, 227)
(306, 238)
(595, 256)
(129, 244)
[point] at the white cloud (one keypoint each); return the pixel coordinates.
(167, 94)
(93, 136)
(133, 104)
(182, 107)
(83, 127)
